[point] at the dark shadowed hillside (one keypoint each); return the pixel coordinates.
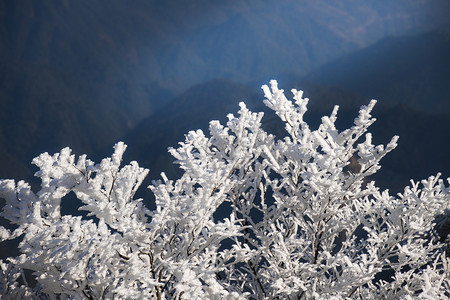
(423, 147)
(413, 70)
(84, 73)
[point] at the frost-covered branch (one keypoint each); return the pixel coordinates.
(299, 222)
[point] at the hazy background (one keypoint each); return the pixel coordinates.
(86, 74)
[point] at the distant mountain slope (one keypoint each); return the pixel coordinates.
(414, 70)
(423, 147)
(83, 73)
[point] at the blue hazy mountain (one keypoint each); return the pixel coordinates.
(84, 73)
(412, 70)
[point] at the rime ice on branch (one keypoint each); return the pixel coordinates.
(302, 224)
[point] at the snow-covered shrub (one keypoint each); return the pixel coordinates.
(302, 224)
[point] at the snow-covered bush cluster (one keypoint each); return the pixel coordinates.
(300, 224)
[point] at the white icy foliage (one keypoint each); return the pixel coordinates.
(302, 223)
